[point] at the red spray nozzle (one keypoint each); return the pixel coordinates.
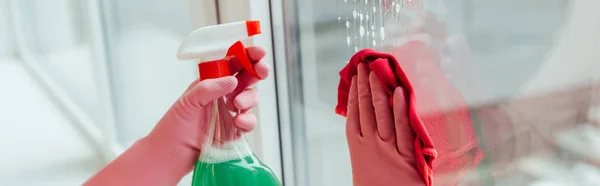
(239, 51)
(220, 67)
(253, 27)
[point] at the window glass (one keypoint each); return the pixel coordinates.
(525, 69)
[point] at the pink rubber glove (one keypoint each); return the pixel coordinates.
(380, 143)
(171, 150)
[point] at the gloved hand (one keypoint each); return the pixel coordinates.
(443, 145)
(379, 137)
(172, 148)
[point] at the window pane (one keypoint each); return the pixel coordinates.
(526, 69)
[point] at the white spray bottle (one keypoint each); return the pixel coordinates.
(225, 159)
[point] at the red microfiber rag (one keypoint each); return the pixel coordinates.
(441, 123)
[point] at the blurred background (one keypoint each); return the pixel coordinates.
(84, 79)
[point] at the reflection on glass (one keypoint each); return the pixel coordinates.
(526, 69)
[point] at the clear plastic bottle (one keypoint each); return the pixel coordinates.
(225, 159)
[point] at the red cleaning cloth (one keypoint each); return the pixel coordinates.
(438, 114)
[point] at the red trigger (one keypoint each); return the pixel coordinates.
(239, 51)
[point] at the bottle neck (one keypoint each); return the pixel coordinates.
(214, 69)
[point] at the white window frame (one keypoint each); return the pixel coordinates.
(291, 152)
(291, 36)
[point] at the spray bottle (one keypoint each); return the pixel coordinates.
(225, 159)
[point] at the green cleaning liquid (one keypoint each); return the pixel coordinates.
(249, 171)
(232, 165)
